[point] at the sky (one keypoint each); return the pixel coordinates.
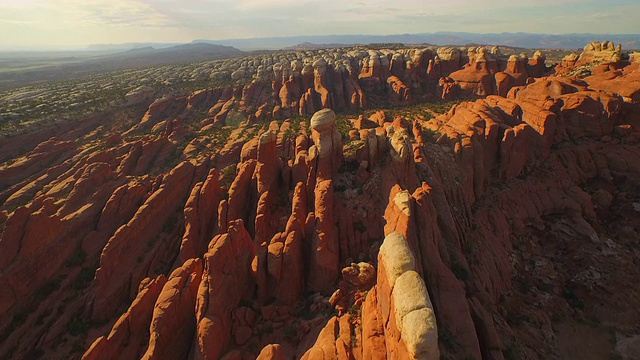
(49, 24)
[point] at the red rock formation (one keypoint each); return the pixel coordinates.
(286, 266)
(402, 164)
(155, 109)
(589, 114)
(448, 60)
(446, 291)
(128, 334)
(624, 82)
(31, 233)
(159, 110)
(174, 322)
(410, 327)
(374, 343)
(475, 79)
(120, 207)
(536, 66)
(327, 144)
(266, 172)
(374, 67)
(44, 155)
(355, 97)
(289, 91)
(514, 75)
(198, 97)
(325, 255)
(201, 216)
(401, 94)
(271, 352)
(320, 84)
(447, 89)
(333, 342)
(225, 281)
(239, 192)
(112, 288)
(600, 52)
(397, 66)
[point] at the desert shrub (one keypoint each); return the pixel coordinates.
(77, 258)
(512, 352)
(447, 339)
(459, 270)
(84, 278)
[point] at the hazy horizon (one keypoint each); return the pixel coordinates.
(76, 24)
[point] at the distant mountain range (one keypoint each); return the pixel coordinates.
(151, 55)
(520, 40)
(533, 41)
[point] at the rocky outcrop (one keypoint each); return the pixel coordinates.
(240, 193)
(201, 215)
(447, 60)
(514, 75)
(623, 82)
(333, 341)
(600, 52)
(173, 321)
(476, 79)
(153, 226)
(46, 154)
(536, 67)
(271, 352)
(226, 280)
(33, 231)
(266, 172)
(401, 94)
(327, 148)
(160, 110)
(374, 342)
(405, 307)
(128, 333)
(325, 253)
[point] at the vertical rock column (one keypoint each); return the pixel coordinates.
(200, 213)
(226, 280)
(129, 332)
(327, 146)
(324, 264)
(410, 324)
(174, 323)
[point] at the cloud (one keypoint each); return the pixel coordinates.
(17, 21)
(82, 12)
(132, 13)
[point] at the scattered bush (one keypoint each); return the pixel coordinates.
(170, 224)
(84, 278)
(78, 326)
(571, 297)
(77, 258)
(447, 339)
(47, 289)
(512, 352)
(459, 270)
